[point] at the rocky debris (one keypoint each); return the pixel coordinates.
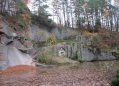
(43, 66)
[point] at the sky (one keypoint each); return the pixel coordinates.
(48, 3)
(50, 8)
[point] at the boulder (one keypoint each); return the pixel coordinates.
(5, 40)
(28, 43)
(16, 43)
(30, 51)
(17, 28)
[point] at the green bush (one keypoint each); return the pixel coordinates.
(73, 35)
(46, 58)
(80, 60)
(115, 81)
(50, 39)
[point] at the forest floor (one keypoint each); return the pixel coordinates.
(83, 74)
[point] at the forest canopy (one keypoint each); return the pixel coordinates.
(18, 9)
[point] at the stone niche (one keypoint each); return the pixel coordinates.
(62, 52)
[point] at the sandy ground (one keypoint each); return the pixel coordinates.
(88, 74)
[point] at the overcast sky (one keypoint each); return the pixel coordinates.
(50, 8)
(48, 3)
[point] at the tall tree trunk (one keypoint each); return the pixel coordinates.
(2, 2)
(64, 15)
(4, 10)
(72, 18)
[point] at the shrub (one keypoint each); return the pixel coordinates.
(73, 35)
(87, 34)
(50, 39)
(46, 58)
(115, 81)
(80, 60)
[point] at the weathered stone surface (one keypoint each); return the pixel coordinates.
(4, 55)
(35, 57)
(36, 32)
(83, 40)
(22, 59)
(13, 39)
(7, 31)
(17, 28)
(50, 66)
(28, 43)
(69, 51)
(54, 50)
(31, 52)
(43, 66)
(88, 55)
(59, 33)
(77, 38)
(13, 57)
(3, 65)
(106, 56)
(74, 49)
(5, 40)
(40, 65)
(16, 43)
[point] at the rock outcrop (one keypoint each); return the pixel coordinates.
(37, 33)
(15, 49)
(81, 50)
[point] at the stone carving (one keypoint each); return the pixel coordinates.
(62, 52)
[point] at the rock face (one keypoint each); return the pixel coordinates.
(13, 57)
(80, 50)
(37, 33)
(62, 33)
(89, 54)
(14, 48)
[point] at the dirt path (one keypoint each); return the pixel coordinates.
(86, 74)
